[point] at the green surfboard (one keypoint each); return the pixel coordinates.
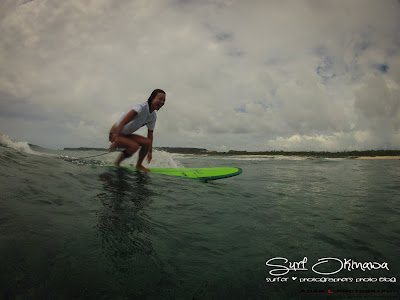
(198, 173)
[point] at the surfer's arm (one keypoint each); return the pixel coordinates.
(129, 117)
(150, 137)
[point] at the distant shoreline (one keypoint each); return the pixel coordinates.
(379, 157)
(300, 156)
(369, 154)
(313, 157)
(372, 154)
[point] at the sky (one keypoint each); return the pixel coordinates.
(299, 75)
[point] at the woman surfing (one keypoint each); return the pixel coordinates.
(122, 132)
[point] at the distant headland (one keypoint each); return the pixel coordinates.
(312, 154)
(167, 149)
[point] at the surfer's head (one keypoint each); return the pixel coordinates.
(158, 97)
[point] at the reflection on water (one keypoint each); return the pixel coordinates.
(70, 231)
(122, 222)
(125, 232)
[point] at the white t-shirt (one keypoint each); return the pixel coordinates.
(144, 117)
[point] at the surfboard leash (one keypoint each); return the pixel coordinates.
(94, 155)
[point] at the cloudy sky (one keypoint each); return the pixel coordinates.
(239, 74)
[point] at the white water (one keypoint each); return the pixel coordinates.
(8, 142)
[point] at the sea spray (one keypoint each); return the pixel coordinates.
(8, 142)
(161, 159)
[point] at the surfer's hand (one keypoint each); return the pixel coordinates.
(149, 156)
(113, 146)
(113, 137)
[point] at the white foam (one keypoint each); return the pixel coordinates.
(8, 142)
(290, 158)
(161, 159)
(244, 157)
(249, 158)
(334, 159)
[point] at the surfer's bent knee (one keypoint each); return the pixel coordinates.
(146, 142)
(126, 154)
(132, 149)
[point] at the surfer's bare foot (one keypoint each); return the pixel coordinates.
(120, 158)
(141, 168)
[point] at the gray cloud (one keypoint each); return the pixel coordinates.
(238, 74)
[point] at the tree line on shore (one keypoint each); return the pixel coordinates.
(371, 153)
(183, 150)
(342, 154)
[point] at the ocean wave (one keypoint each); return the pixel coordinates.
(8, 142)
(161, 159)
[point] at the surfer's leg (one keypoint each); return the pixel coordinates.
(130, 145)
(142, 154)
(124, 154)
(145, 144)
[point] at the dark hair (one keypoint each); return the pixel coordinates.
(153, 95)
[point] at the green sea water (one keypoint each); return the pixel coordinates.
(76, 229)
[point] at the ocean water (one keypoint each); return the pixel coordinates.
(76, 228)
